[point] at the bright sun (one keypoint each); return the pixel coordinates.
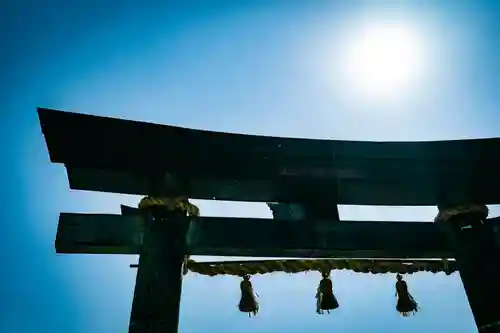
(383, 60)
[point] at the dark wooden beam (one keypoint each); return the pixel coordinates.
(98, 234)
(117, 234)
(305, 210)
(252, 168)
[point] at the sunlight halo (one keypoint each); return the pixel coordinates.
(382, 60)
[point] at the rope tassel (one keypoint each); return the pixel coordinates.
(406, 305)
(325, 299)
(185, 265)
(248, 302)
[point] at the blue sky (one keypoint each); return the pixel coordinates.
(259, 67)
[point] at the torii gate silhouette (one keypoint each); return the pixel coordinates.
(121, 156)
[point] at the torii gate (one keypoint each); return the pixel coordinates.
(120, 156)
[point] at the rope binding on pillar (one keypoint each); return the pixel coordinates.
(446, 213)
(170, 204)
(160, 206)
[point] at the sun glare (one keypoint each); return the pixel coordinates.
(382, 61)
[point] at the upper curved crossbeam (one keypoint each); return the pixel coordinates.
(115, 155)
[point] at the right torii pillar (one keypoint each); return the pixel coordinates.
(477, 254)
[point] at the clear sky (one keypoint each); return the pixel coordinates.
(260, 67)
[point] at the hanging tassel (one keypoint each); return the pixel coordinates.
(248, 302)
(325, 299)
(406, 304)
(185, 267)
(446, 266)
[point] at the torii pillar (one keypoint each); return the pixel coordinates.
(155, 307)
(157, 294)
(477, 253)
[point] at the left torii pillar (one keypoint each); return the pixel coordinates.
(155, 307)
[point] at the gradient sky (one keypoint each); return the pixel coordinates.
(259, 67)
